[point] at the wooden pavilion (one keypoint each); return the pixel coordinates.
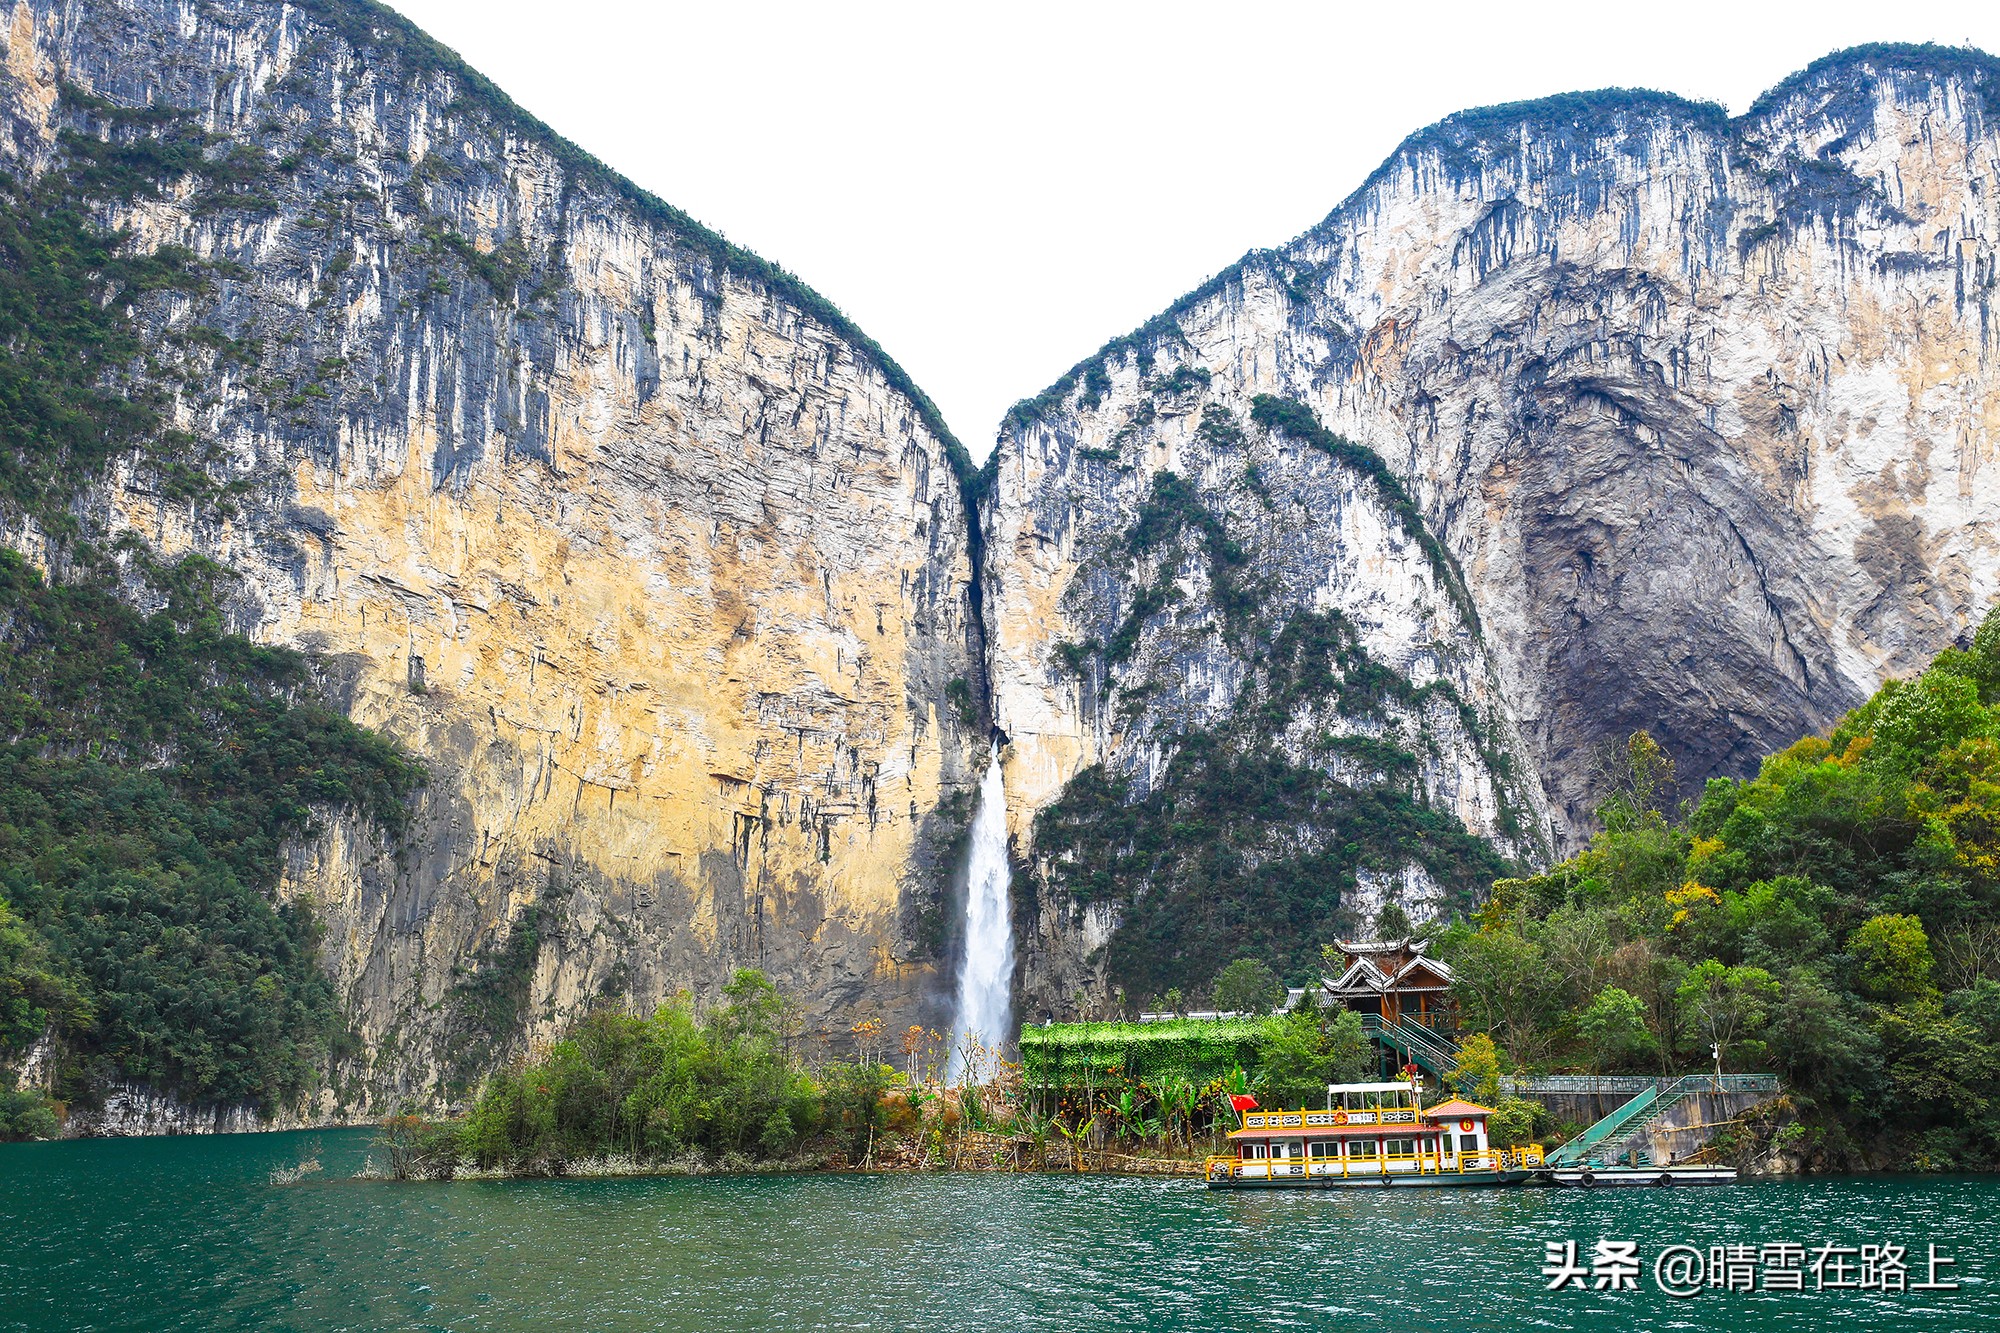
(1393, 979)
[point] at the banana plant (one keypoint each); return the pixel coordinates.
(1074, 1136)
(1178, 1096)
(1133, 1119)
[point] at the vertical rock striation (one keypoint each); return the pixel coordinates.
(1701, 410)
(1318, 593)
(660, 566)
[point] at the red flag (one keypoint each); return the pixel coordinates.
(1243, 1101)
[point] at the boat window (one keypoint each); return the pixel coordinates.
(1402, 1147)
(1324, 1148)
(1256, 1150)
(1468, 1143)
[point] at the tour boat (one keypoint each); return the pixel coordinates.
(1371, 1135)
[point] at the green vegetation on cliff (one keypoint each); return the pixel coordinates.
(152, 765)
(152, 768)
(1298, 421)
(1242, 846)
(1832, 919)
(66, 352)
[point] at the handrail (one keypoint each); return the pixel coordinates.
(1653, 1102)
(1590, 1084)
(1687, 1083)
(1416, 1042)
(1603, 1129)
(1601, 1084)
(1219, 1166)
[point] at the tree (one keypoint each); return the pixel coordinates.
(1392, 922)
(1726, 1002)
(1984, 659)
(1310, 1048)
(1939, 1066)
(1615, 1026)
(1893, 956)
(1823, 1044)
(1515, 1121)
(1501, 981)
(1477, 1072)
(31, 994)
(1915, 720)
(1248, 986)
(1639, 784)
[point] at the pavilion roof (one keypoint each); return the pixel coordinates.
(1365, 974)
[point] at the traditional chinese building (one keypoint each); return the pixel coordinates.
(1393, 979)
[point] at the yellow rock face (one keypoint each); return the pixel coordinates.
(654, 569)
(680, 673)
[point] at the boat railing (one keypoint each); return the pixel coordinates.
(1364, 1165)
(1373, 1115)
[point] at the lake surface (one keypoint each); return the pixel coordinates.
(188, 1233)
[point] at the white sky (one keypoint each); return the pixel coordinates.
(992, 191)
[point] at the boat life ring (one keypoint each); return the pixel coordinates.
(1340, 1117)
(1466, 1124)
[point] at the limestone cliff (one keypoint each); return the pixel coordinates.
(1702, 411)
(1319, 592)
(660, 566)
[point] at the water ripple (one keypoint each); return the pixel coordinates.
(187, 1233)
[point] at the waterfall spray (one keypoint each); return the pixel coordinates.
(986, 973)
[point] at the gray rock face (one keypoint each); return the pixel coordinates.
(1704, 409)
(657, 563)
(1581, 416)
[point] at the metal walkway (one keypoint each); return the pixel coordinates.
(1630, 1120)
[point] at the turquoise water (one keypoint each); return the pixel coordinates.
(188, 1233)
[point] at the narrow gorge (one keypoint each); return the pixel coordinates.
(675, 630)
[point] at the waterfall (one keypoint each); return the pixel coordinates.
(986, 974)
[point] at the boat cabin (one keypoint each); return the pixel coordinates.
(1366, 1129)
(1463, 1124)
(1393, 979)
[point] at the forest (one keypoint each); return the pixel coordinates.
(729, 1085)
(1834, 919)
(154, 764)
(152, 768)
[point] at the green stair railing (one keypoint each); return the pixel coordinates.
(1573, 1152)
(1419, 1045)
(1633, 1129)
(1631, 1119)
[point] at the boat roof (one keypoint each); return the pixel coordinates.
(1457, 1107)
(1402, 1085)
